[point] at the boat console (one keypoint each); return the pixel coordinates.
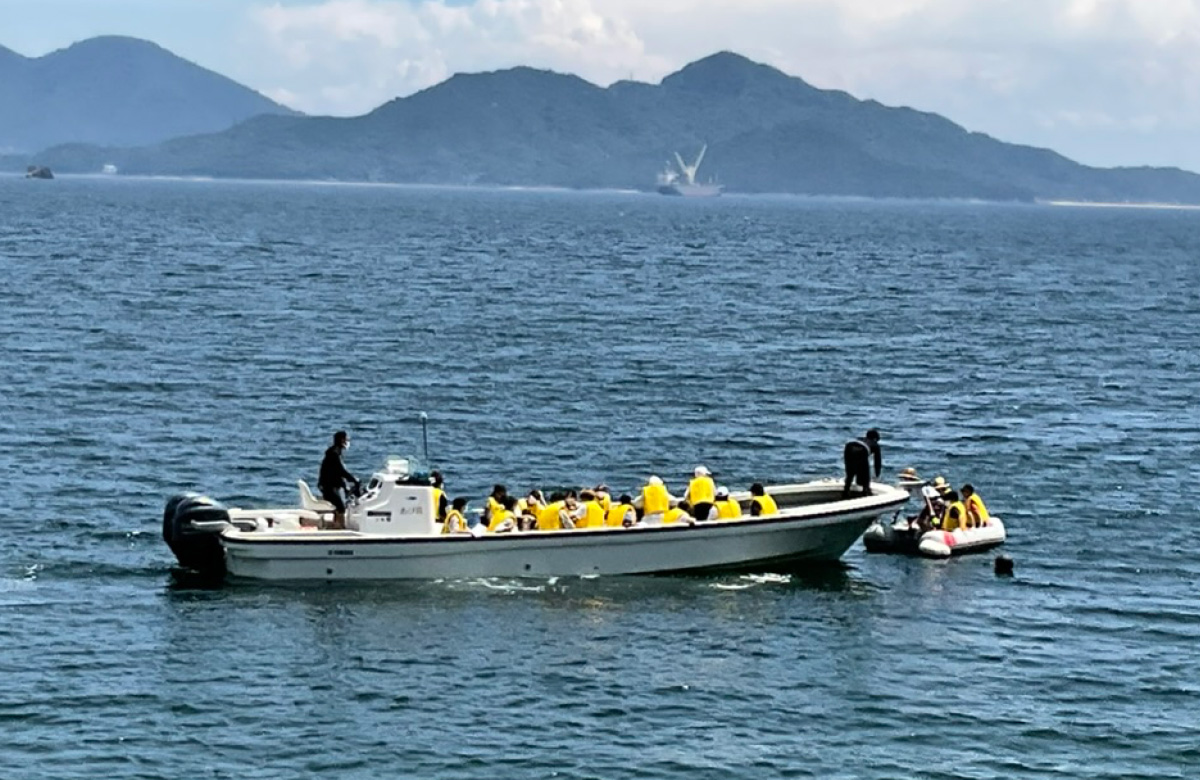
(395, 503)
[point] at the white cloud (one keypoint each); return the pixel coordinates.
(1106, 81)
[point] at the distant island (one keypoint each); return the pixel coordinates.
(115, 91)
(765, 132)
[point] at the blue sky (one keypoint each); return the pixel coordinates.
(1106, 82)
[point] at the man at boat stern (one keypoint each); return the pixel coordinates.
(334, 476)
(857, 456)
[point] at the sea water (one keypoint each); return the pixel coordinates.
(157, 336)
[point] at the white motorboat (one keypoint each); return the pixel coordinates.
(392, 533)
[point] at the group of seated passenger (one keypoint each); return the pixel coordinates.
(595, 507)
(946, 508)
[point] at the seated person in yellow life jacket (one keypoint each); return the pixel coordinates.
(603, 496)
(529, 509)
(547, 519)
(456, 518)
(621, 514)
(727, 508)
(701, 493)
(495, 499)
(571, 513)
(655, 501)
(977, 513)
(505, 520)
(440, 503)
(760, 503)
(680, 513)
(955, 516)
(593, 511)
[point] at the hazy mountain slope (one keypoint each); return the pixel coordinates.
(116, 91)
(766, 132)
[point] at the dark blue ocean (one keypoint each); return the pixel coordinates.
(157, 336)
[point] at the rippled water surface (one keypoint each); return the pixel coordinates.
(157, 336)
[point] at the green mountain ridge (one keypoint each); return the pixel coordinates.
(766, 131)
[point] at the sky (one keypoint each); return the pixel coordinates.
(1105, 82)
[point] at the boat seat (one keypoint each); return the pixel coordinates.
(311, 502)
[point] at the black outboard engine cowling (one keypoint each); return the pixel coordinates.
(196, 548)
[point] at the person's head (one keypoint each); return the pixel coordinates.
(341, 440)
(702, 472)
(654, 480)
(459, 503)
(509, 502)
(873, 435)
(499, 491)
(722, 493)
(757, 489)
(601, 488)
(952, 496)
(968, 490)
(570, 500)
(626, 498)
(535, 496)
(587, 495)
(435, 478)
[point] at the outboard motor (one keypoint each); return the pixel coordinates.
(192, 526)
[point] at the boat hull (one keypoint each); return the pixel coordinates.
(789, 542)
(691, 190)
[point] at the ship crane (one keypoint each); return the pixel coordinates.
(689, 171)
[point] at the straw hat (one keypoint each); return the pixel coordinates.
(909, 475)
(941, 484)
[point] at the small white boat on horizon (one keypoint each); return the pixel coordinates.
(392, 533)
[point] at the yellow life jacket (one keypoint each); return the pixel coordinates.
(605, 501)
(728, 509)
(494, 506)
(548, 517)
(498, 518)
(766, 505)
(437, 504)
(616, 516)
(455, 522)
(593, 515)
(975, 505)
(701, 490)
(674, 515)
(655, 498)
(958, 521)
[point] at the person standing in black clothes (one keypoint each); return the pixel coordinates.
(857, 456)
(334, 477)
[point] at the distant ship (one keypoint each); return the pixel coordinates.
(683, 181)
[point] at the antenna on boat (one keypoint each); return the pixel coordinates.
(425, 434)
